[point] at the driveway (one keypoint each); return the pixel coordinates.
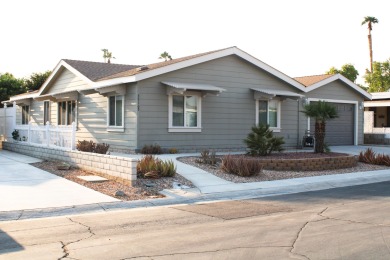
(350, 149)
(23, 186)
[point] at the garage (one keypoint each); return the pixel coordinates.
(340, 131)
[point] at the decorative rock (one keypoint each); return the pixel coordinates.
(63, 166)
(120, 193)
(150, 184)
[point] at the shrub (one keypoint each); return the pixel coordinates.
(241, 166)
(15, 135)
(85, 146)
(151, 149)
(370, 157)
(262, 142)
(101, 148)
(173, 150)
(208, 158)
(148, 166)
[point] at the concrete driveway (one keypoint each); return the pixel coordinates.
(351, 149)
(23, 186)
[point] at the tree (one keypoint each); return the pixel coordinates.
(165, 55)
(370, 20)
(379, 79)
(347, 70)
(36, 80)
(321, 111)
(107, 55)
(10, 86)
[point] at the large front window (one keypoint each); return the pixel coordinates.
(66, 112)
(184, 113)
(46, 112)
(25, 115)
(269, 113)
(115, 111)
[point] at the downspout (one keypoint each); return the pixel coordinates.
(298, 128)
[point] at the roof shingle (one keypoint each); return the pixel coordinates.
(310, 80)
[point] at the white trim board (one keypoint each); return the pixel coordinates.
(356, 114)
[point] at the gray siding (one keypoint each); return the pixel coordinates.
(337, 90)
(226, 119)
(66, 81)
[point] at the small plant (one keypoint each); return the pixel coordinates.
(262, 142)
(149, 165)
(241, 166)
(85, 146)
(15, 135)
(101, 148)
(24, 139)
(151, 149)
(326, 148)
(207, 157)
(173, 150)
(370, 157)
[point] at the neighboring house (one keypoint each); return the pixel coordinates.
(377, 119)
(209, 100)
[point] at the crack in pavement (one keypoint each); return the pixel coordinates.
(65, 245)
(352, 221)
(207, 251)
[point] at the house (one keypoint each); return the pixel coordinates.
(377, 119)
(209, 100)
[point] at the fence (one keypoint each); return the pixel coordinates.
(48, 135)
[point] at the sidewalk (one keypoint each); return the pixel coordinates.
(48, 195)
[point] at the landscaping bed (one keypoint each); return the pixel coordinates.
(142, 188)
(270, 175)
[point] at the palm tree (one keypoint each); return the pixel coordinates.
(369, 20)
(165, 55)
(321, 111)
(107, 55)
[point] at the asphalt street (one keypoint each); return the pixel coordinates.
(343, 223)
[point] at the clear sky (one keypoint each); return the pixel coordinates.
(300, 37)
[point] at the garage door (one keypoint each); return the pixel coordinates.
(340, 131)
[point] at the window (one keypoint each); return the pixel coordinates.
(184, 113)
(25, 115)
(268, 112)
(115, 111)
(46, 112)
(66, 112)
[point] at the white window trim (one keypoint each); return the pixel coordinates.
(48, 112)
(112, 128)
(28, 115)
(356, 114)
(184, 129)
(278, 123)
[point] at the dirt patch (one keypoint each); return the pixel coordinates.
(142, 189)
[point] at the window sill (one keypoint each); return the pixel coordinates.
(275, 129)
(184, 130)
(119, 129)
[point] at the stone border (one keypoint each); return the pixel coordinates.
(121, 168)
(310, 164)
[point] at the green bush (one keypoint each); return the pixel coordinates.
(262, 142)
(152, 167)
(173, 151)
(151, 149)
(15, 135)
(241, 166)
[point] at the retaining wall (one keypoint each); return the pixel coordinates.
(120, 168)
(310, 164)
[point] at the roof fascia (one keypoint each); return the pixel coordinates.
(57, 70)
(343, 79)
(201, 59)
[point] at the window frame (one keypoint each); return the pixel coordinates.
(25, 115)
(115, 128)
(66, 112)
(46, 112)
(278, 119)
(185, 129)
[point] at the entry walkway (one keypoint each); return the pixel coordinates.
(23, 186)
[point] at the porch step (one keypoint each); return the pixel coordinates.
(92, 178)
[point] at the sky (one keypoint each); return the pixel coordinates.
(299, 38)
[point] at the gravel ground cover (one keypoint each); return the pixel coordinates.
(142, 189)
(268, 175)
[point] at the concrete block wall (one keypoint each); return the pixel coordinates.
(121, 168)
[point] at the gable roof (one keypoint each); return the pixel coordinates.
(316, 81)
(98, 70)
(310, 80)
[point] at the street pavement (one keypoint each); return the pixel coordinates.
(342, 223)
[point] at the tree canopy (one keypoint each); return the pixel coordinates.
(379, 79)
(10, 86)
(107, 55)
(36, 80)
(347, 70)
(165, 55)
